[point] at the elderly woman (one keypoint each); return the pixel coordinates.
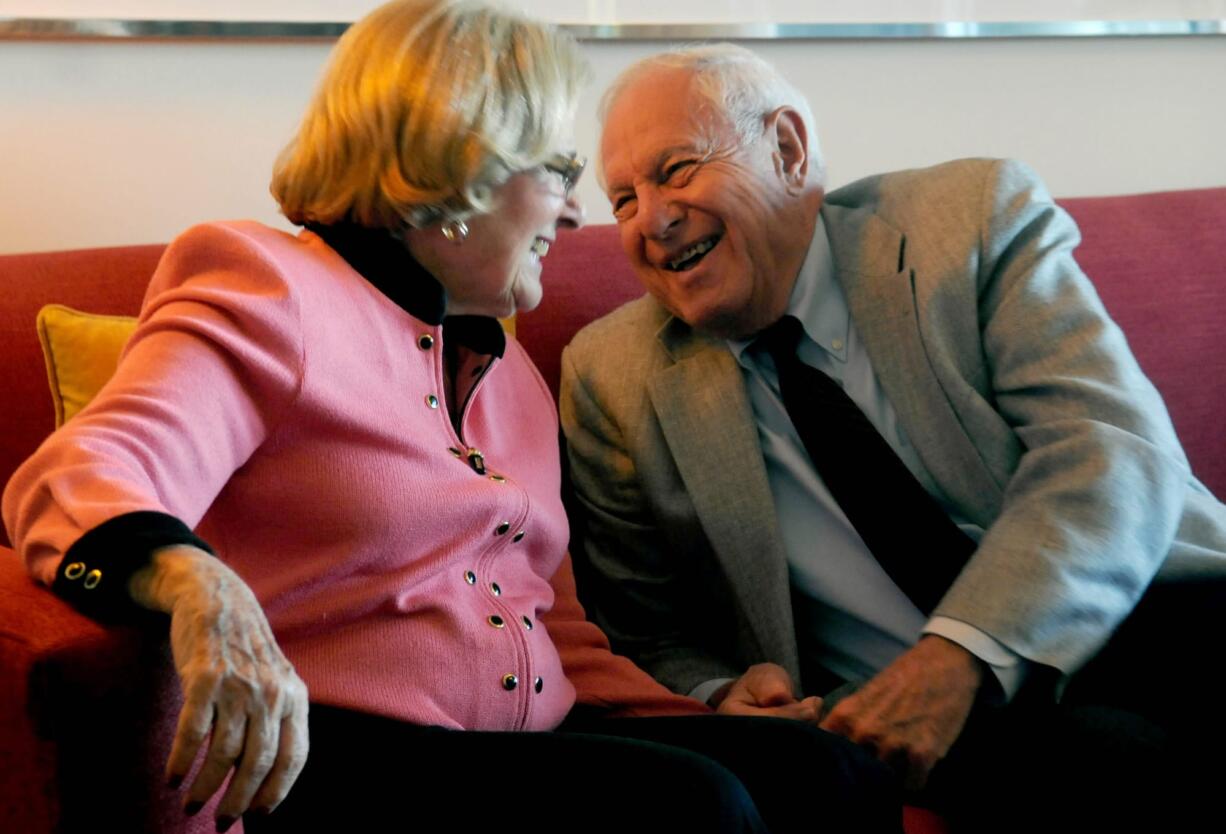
(323, 459)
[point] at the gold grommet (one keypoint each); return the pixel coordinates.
(518, 536)
(74, 571)
(425, 341)
(92, 579)
(501, 529)
(476, 460)
(431, 400)
(495, 590)
(470, 577)
(509, 682)
(527, 623)
(496, 621)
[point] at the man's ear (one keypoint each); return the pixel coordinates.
(786, 129)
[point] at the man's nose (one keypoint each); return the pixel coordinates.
(657, 215)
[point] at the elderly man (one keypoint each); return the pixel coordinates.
(884, 441)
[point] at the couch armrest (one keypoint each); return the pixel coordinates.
(87, 717)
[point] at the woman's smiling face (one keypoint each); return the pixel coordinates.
(496, 269)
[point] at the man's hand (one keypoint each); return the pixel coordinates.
(911, 713)
(241, 695)
(766, 689)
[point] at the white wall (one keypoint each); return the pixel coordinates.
(106, 143)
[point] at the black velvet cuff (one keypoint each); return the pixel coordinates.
(94, 573)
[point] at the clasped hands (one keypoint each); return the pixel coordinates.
(241, 695)
(908, 715)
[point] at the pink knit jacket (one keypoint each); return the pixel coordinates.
(276, 401)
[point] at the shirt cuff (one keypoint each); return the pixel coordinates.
(1009, 668)
(706, 689)
(93, 575)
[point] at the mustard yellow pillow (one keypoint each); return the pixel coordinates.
(81, 351)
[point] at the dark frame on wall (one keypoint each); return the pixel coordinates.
(1164, 23)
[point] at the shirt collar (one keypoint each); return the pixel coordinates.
(817, 301)
(385, 262)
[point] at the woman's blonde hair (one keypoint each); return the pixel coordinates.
(425, 108)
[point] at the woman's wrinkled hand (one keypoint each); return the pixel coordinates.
(241, 696)
(765, 690)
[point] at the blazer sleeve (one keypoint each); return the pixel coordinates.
(1093, 501)
(634, 581)
(215, 359)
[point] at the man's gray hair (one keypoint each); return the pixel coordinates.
(736, 84)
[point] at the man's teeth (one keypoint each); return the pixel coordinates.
(700, 248)
(540, 247)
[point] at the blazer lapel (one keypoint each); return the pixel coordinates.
(870, 262)
(708, 423)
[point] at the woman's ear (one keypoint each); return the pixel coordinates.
(790, 153)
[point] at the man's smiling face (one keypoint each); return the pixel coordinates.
(715, 228)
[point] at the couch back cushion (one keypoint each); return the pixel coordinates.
(1155, 258)
(1157, 261)
(110, 281)
(585, 276)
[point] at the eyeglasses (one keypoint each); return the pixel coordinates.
(568, 166)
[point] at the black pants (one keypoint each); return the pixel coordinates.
(1135, 744)
(709, 774)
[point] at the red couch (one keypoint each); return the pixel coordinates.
(87, 713)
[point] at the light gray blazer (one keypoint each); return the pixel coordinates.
(1019, 394)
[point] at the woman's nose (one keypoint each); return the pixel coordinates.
(573, 214)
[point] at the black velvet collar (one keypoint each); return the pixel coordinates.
(386, 263)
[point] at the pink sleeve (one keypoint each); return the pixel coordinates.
(216, 358)
(600, 677)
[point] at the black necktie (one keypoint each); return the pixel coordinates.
(903, 526)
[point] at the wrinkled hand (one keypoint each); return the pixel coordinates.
(237, 685)
(766, 689)
(912, 712)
